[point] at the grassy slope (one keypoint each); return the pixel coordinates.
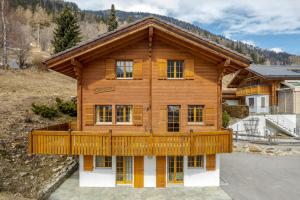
(20, 172)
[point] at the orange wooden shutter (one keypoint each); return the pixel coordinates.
(138, 69)
(139, 171)
(160, 171)
(137, 115)
(209, 115)
(163, 118)
(88, 163)
(110, 69)
(162, 68)
(89, 115)
(189, 69)
(211, 162)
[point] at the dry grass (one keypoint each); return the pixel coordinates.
(21, 173)
(20, 88)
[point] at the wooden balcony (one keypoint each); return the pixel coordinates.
(251, 90)
(128, 144)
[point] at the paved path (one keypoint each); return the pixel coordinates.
(69, 190)
(260, 177)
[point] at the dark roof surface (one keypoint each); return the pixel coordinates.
(276, 71)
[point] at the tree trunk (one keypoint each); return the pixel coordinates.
(4, 59)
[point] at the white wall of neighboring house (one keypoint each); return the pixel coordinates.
(232, 102)
(258, 106)
(199, 177)
(99, 177)
(149, 171)
(261, 126)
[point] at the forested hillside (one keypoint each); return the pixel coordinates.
(35, 18)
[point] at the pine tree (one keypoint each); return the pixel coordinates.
(112, 21)
(67, 32)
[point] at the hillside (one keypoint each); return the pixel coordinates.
(21, 173)
(93, 23)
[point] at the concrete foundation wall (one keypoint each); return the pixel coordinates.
(199, 177)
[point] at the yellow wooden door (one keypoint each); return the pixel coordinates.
(138, 171)
(175, 169)
(124, 169)
(161, 171)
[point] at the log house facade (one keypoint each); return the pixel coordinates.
(149, 107)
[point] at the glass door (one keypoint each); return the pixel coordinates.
(175, 169)
(124, 169)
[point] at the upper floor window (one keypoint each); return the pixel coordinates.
(196, 161)
(124, 69)
(124, 114)
(263, 102)
(103, 114)
(251, 102)
(175, 69)
(195, 114)
(103, 161)
(173, 118)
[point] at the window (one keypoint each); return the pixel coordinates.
(173, 118)
(124, 69)
(195, 114)
(124, 114)
(103, 114)
(196, 161)
(103, 161)
(251, 102)
(175, 69)
(263, 102)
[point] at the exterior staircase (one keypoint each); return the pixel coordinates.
(282, 123)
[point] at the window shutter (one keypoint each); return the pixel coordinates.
(189, 69)
(138, 115)
(110, 69)
(88, 163)
(209, 115)
(211, 162)
(138, 69)
(162, 68)
(163, 119)
(89, 115)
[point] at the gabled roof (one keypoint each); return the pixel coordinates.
(84, 52)
(269, 72)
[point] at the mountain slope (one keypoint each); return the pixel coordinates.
(258, 55)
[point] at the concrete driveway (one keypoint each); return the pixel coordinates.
(260, 177)
(70, 190)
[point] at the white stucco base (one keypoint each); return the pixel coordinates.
(106, 177)
(99, 177)
(199, 177)
(149, 171)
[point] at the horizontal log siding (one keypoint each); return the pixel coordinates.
(200, 91)
(129, 144)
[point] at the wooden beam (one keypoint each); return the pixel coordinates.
(150, 40)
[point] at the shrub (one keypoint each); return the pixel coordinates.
(225, 119)
(66, 107)
(37, 60)
(49, 112)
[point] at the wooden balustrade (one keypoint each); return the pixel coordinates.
(250, 90)
(96, 143)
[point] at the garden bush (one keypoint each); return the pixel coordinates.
(49, 112)
(66, 107)
(225, 119)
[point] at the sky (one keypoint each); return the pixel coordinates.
(269, 24)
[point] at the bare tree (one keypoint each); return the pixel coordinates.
(4, 34)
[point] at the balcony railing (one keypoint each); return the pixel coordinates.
(129, 144)
(251, 90)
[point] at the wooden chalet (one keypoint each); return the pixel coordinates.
(149, 107)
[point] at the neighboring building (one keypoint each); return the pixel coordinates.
(149, 107)
(269, 90)
(265, 88)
